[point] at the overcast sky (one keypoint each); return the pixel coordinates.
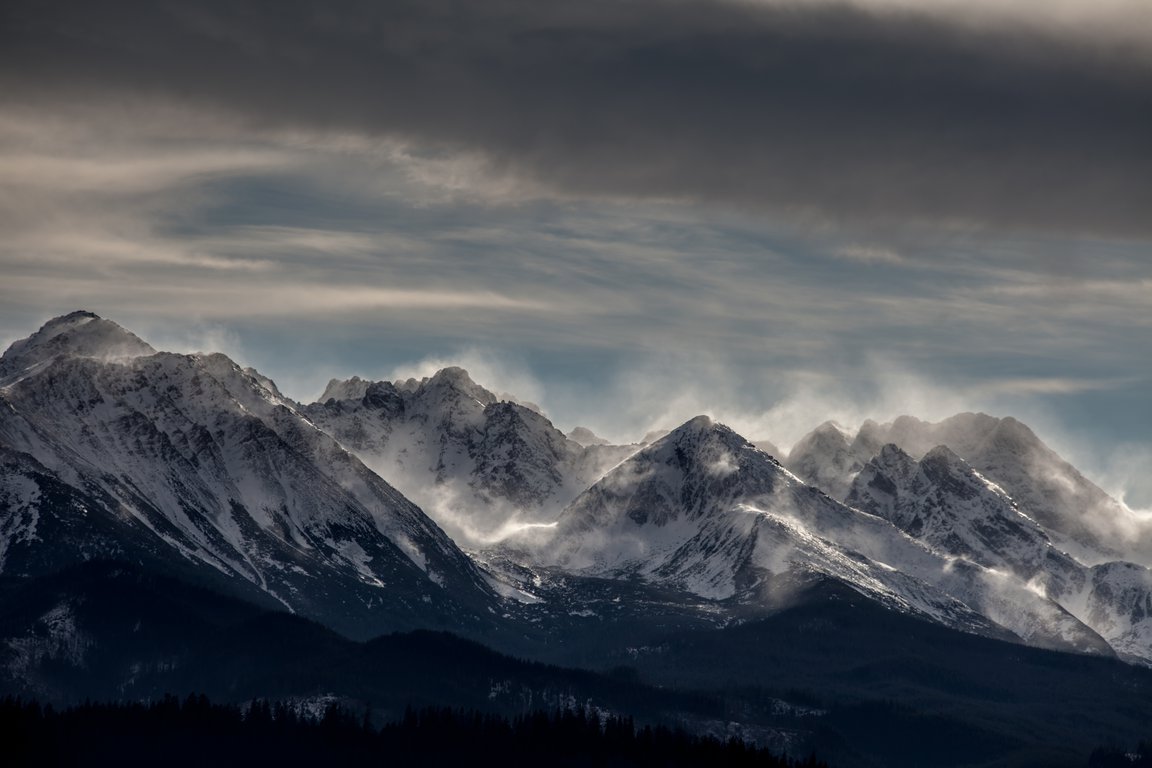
(630, 212)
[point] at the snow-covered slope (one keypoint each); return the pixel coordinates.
(704, 510)
(187, 458)
(480, 465)
(942, 501)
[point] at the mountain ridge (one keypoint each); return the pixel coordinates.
(194, 452)
(124, 449)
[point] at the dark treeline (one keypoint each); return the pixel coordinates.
(1112, 757)
(195, 732)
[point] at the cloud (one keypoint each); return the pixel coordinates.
(1110, 21)
(867, 254)
(1044, 385)
(877, 112)
(270, 299)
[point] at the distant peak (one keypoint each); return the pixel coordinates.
(973, 416)
(830, 427)
(345, 389)
(585, 437)
(829, 437)
(869, 439)
(908, 422)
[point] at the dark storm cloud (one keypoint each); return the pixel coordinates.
(830, 110)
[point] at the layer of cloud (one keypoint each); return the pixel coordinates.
(966, 117)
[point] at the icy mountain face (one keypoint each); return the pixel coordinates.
(704, 510)
(942, 501)
(482, 466)
(189, 459)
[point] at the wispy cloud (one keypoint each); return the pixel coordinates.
(1044, 385)
(869, 254)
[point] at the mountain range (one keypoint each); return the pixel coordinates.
(437, 504)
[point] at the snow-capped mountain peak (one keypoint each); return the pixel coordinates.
(77, 334)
